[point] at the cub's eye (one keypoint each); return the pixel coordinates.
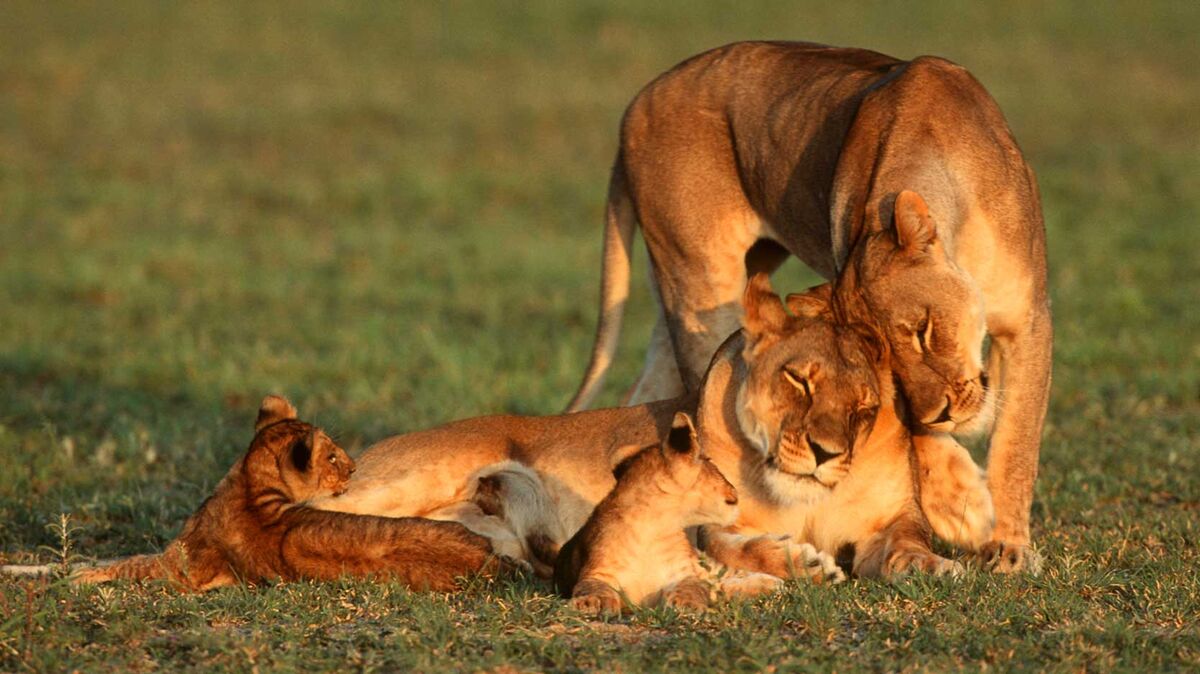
(799, 381)
(333, 458)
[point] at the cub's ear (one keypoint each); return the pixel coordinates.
(764, 312)
(681, 439)
(816, 302)
(301, 452)
(273, 409)
(915, 229)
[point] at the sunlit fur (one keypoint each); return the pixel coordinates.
(741, 157)
(633, 547)
(256, 526)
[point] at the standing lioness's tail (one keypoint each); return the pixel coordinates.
(619, 223)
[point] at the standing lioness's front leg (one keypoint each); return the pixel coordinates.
(1013, 453)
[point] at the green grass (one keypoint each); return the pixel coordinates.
(391, 213)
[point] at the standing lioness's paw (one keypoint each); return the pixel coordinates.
(1001, 557)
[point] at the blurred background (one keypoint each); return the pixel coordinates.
(391, 212)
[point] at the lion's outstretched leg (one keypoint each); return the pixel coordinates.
(954, 494)
(777, 555)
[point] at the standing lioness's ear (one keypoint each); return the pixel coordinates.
(273, 409)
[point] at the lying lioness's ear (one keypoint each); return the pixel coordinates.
(273, 409)
(812, 303)
(915, 229)
(764, 312)
(681, 439)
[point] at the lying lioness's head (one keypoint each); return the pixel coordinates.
(295, 457)
(811, 391)
(929, 311)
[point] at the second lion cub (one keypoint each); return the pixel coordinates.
(633, 549)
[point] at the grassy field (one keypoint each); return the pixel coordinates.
(391, 213)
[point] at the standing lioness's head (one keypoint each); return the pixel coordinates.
(903, 281)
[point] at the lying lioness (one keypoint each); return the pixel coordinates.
(741, 156)
(785, 448)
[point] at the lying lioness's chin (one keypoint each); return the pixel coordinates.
(798, 487)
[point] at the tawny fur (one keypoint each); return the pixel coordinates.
(830, 402)
(255, 527)
(745, 155)
(634, 549)
(801, 510)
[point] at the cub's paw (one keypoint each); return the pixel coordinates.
(820, 567)
(1001, 557)
(925, 562)
(688, 596)
(595, 598)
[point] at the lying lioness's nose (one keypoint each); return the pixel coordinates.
(820, 454)
(983, 379)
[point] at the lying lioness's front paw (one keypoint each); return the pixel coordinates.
(1001, 557)
(923, 561)
(815, 564)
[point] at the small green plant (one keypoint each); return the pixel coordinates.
(64, 551)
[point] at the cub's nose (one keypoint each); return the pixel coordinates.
(820, 453)
(731, 498)
(983, 379)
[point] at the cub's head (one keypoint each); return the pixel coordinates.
(929, 311)
(293, 456)
(683, 477)
(810, 393)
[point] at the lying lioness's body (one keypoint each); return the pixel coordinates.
(634, 547)
(433, 473)
(741, 156)
(255, 526)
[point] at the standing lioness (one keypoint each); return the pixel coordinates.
(740, 156)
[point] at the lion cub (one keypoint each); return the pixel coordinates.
(257, 527)
(633, 548)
